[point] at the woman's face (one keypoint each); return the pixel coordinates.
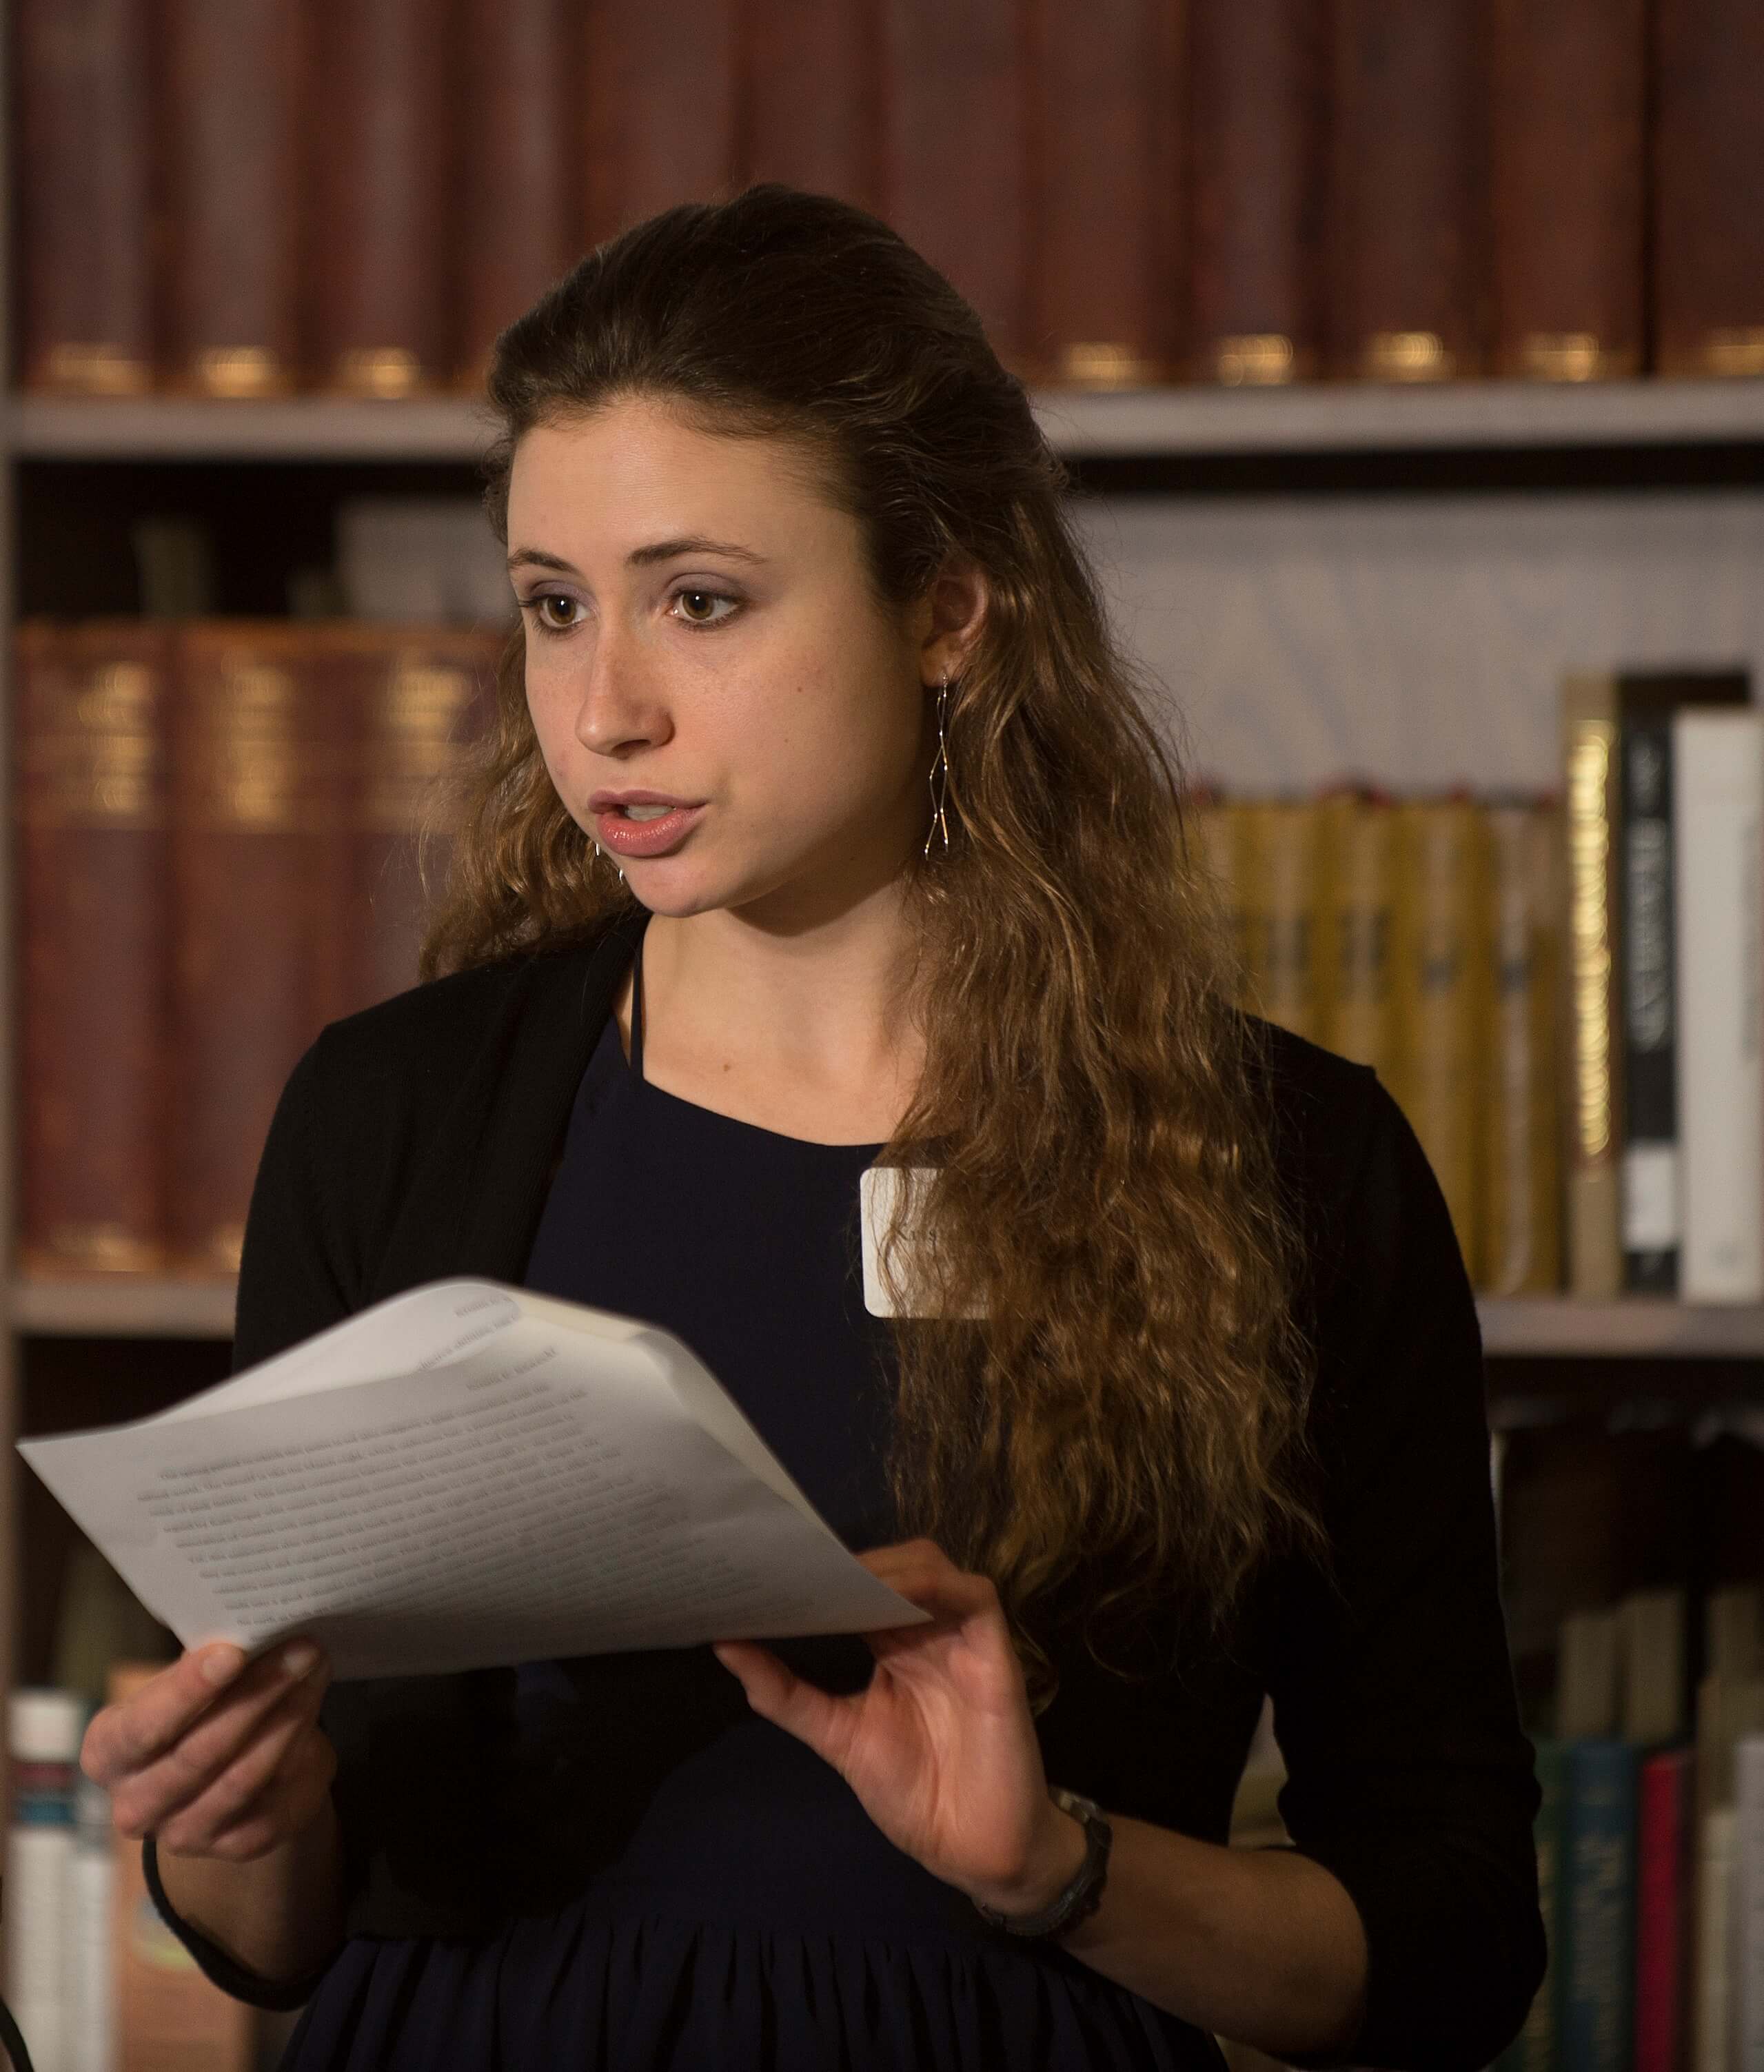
(701, 639)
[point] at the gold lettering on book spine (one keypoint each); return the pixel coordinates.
(1589, 931)
(102, 764)
(252, 777)
(419, 747)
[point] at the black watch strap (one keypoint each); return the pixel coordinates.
(1082, 1896)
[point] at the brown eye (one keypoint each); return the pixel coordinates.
(692, 599)
(556, 613)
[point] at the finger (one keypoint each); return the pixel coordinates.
(144, 1798)
(926, 1576)
(778, 1694)
(121, 1737)
(273, 1754)
(239, 1822)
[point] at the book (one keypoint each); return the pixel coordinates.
(1718, 807)
(1592, 986)
(1256, 115)
(1357, 926)
(1105, 223)
(90, 741)
(230, 128)
(1440, 987)
(1280, 880)
(1748, 1897)
(1596, 2012)
(258, 963)
(955, 153)
(813, 85)
(1568, 148)
(1522, 1223)
(1665, 1873)
(44, 1728)
(1707, 188)
(519, 198)
(85, 207)
(1407, 234)
(465, 1475)
(381, 224)
(647, 149)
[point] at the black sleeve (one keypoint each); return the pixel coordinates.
(1410, 1777)
(295, 1278)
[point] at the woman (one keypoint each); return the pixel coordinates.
(820, 832)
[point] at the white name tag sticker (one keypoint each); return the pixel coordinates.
(878, 1189)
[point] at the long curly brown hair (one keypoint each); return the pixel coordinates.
(1128, 1420)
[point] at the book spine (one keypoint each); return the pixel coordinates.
(1708, 188)
(955, 153)
(381, 224)
(92, 2042)
(85, 211)
(1718, 802)
(1748, 1932)
(92, 809)
(1591, 806)
(418, 697)
(1440, 985)
(45, 1728)
(1651, 1219)
(1535, 2046)
(814, 112)
(256, 875)
(1568, 147)
(1662, 1887)
(1358, 871)
(648, 151)
(1597, 2032)
(1712, 2049)
(230, 146)
(1408, 208)
(1257, 142)
(1280, 860)
(1105, 223)
(1217, 845)
(1520, 1251)
(520, 191)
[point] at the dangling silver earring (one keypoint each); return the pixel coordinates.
(600, 851)
(940, 774)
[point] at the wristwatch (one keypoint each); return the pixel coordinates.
(1084, 1895)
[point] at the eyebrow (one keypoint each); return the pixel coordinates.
(640, 557)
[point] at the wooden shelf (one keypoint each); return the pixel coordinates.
(1535, 1326)
(1309, 418)
(123, 1308)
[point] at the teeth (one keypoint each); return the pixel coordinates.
(647, 813)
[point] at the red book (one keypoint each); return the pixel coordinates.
(1709, 188)
(1408, 229)
(955, 153)
(1104, 211)
(418, 695)
(1569, 143)
(1257, 102)
(382, 229)
(83, 159)
(1665, 1874)
(660, 109)
(519, 226)
(229, 141)
(812, 105)
(92, 931)
(257, 885)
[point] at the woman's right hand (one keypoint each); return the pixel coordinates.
(216, 1757)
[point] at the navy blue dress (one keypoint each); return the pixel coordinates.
(741, 1908)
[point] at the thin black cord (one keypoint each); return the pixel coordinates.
(13, 2041)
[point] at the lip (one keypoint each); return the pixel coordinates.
(655, 837)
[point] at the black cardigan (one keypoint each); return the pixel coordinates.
(416, 1141)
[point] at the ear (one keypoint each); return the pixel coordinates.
(957, 599)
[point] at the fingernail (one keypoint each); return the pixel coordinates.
(299, 1659)
(220, 1665)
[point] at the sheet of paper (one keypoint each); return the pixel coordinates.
(536, 1490)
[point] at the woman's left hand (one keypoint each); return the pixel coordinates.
(940, 1746)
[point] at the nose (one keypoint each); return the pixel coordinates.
(620, 706)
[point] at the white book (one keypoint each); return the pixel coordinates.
(1718, 810)
(1715, 2026)
(464, 1476)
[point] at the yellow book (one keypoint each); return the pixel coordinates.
(1279, 861)
(1440, 980)
(1522, 1208)
(1215, 828)
(1357, 915)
